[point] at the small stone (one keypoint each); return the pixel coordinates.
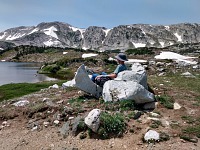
(176, 106)
(154, 114)
(56, 122)
(34, 128)
(182, 140)
(137, 115)
(1, 127)
(194, 140)
(155, 119)
(44, 99)
(151, 135)
(4, 123)
(60, 102)
(45, 123)
(70, 118)
(21, 103)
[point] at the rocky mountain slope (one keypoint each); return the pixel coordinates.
(122, 37)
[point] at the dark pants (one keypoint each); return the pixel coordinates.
(96, 74)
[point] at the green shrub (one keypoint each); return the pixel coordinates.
(188, 119)
(127, 105)
(141, 51)
(193, 130)
(167, 101)
(155, 124)
(111, 125)
(50, 69)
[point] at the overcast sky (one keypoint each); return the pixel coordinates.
(103, 13)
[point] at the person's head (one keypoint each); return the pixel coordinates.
(121, 58)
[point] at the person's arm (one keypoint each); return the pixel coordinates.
(112, 76)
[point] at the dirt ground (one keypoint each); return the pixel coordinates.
(16, 136)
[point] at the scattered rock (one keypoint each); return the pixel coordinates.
(55, 86)
(164, 123)
(75, 124)
(177, 106)
(151, 135)
(92, 120)
(188, 74)
(34, 128)
(50, 103)
(21, 103)
(64, 131)
(154, 114)
(137, 115)
(155, 119)
(56, 122)
(46, 123)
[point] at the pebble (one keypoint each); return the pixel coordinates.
(4, 123)
(44, 99)
(34, 128)
(56, 122)
(60, 102)
(154, 114)
(70, 118)
(183, 141)
(45, 123)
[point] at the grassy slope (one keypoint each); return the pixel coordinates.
(10, 91)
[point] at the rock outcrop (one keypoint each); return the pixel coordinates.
(122, 37)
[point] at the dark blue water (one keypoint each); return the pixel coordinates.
(17, 72)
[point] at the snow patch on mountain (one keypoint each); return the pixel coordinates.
(4, 34)
(106, 31)
(51, 32)
(179, 37)
(135, 61)
(34, 30)
(78, 29)
(50, 42)
(15, 36)
(84, 48)
(1, 48)
(89, 55)
(162, 44)
(167, 28)
(176, 57)
(138, 45)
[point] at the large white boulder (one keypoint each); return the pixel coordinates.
(83, 82)
(115, 90)
(137, 74)
(92, 120)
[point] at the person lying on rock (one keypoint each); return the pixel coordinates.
(101, 79)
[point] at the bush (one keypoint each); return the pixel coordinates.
(167, 101)
(142, 51)
(111, 125)
(50, 69)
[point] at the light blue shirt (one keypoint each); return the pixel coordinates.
(120, 68)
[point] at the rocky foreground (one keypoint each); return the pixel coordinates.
(51, 118)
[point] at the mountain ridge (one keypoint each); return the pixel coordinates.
(60, 34)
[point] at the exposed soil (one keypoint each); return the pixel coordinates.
(17, 135)
(19, 132)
